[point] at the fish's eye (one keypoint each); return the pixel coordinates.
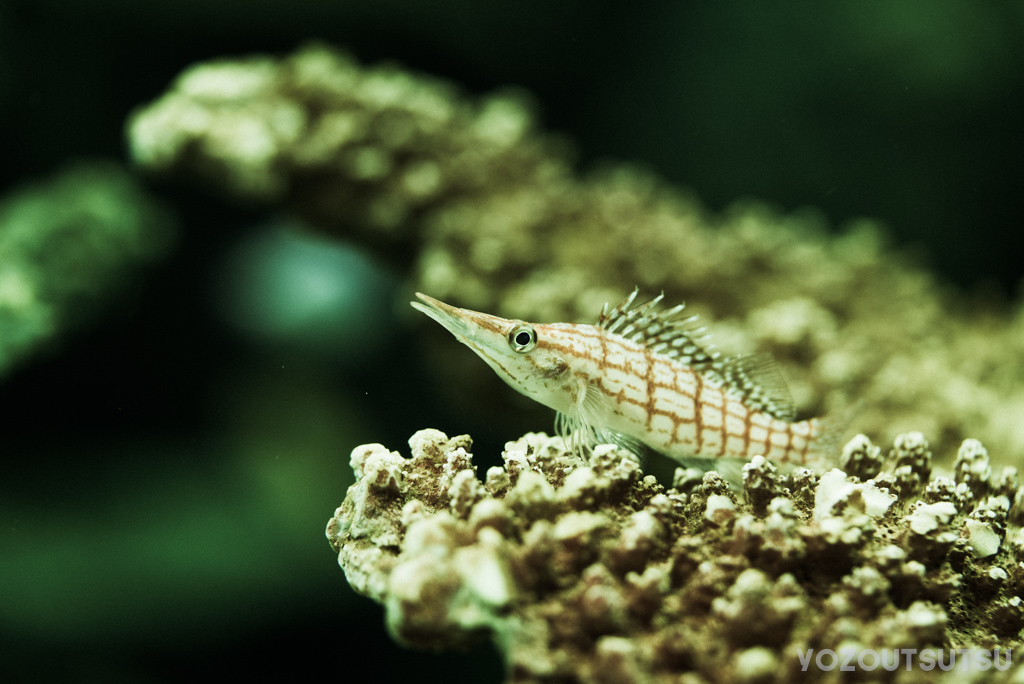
(522, 339)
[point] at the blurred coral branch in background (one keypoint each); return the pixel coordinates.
(68, 247)
(488, 213)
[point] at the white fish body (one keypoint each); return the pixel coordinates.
(645, 376)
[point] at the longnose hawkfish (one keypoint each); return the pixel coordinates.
(648, 376)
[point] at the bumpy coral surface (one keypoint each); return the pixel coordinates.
(487, 213)
(593, 572)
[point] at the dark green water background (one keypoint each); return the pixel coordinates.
(165, 477)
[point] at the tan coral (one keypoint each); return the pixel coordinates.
(591, 572)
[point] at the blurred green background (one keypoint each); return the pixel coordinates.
(168, 461)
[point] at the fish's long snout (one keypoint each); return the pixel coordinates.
(449, 317)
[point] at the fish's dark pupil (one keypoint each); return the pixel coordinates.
(523, 338)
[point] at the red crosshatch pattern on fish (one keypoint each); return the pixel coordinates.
(641, 375)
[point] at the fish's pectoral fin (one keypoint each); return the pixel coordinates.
(569, 429)
(581, 426)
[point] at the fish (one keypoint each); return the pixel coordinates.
(646, 377)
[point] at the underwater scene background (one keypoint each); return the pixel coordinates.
(214, 215)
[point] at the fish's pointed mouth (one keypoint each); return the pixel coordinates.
(470, 327)
(451, 318)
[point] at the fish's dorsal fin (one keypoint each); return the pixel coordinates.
(660, 331)
(757, 381)
(754, 379)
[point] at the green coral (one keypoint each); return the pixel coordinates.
(67, 246)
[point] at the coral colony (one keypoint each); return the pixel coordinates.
(593, 572)
(588, 570)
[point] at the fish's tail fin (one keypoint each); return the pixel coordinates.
(826, 442)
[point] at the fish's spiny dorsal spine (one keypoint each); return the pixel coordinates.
(753, 379)
(660, 331)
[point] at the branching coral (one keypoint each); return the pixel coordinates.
(491, 216)
(592, 572)
(66, 246)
